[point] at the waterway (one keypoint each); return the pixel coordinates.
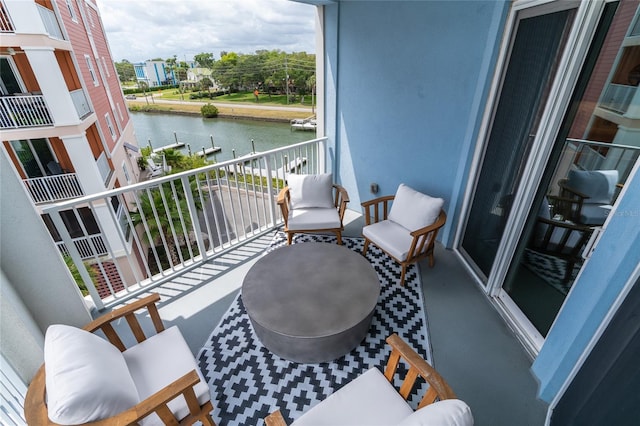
(228, 134)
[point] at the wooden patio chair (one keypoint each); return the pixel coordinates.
(312, 203)
(372, 399)
(404, 226)
(92, 381)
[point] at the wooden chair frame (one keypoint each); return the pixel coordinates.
(423, 239)
(340, 200)
(438, 389)
(559, 248)
(35, 407)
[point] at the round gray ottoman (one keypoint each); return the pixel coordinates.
(311, 302)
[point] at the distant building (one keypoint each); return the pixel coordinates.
(65, 124)
(158, 73)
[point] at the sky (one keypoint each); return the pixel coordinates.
(148, 29)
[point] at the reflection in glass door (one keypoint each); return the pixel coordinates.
(596, 148)
(534, 55)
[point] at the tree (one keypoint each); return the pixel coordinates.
(125, 71)
(165, 214)
(204, 60)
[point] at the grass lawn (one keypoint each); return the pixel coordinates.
(244, 97)
(236, 111)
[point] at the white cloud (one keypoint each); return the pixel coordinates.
(145, 29)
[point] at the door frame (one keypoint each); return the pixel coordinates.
(571, 61)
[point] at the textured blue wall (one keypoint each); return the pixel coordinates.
(603, 278)
(413, 77)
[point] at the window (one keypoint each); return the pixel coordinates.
(72, 12)
(36, 157)
(9, 77)
(71, 222)
(92, 72)
(107, 118)
(106, 68)
(126, 173)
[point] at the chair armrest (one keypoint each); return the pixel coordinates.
(341, 200)
(128, 312)
(275, 419)
(380, 207)
(568, 228)
(283, 202)
(35, 406)
(438, 387)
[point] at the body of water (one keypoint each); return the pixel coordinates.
(228, 134)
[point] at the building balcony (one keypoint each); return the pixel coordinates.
(49, 189)
(24, 111)
(617, 98)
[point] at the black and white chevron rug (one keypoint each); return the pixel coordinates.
(248, 382)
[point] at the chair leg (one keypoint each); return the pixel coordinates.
(289, 238)
(208, 420)
(404, 272)
(432, 260)
(339, 237)
(365, 247)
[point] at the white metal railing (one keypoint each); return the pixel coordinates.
(103, 167)
(6, 26)
(49, 189)
(617, 97)
(179, 221)
(88, 247)
(81, 103)
(24, 111)
(50, 22)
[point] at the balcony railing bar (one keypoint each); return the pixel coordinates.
(50, 22)
(189, 217)
(617, 97)
(48, 189)
(6, 26)
(24, 111)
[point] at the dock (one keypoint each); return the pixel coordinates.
(308, 123)
(208, 151)
(291, 167)
(176, 145)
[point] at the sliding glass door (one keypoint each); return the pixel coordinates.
(532, 64)
(559, 143)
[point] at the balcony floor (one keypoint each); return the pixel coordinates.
(472, 346)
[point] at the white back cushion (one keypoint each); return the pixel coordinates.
(414, 210)
(599, 185)
(309, 191)
(87, 378)
(450, 412)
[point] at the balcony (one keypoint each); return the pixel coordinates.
(55, 188)
(6, 26)
(195, 252)
(22, 111)
(617, 98)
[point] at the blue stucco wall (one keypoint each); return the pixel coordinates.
(413, 78)
(603, 278)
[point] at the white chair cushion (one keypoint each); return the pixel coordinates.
(450, 412)
(413, 209)
(308, 191)
(159, 361)
(390, 237)
(599, 185)
(368, 400)
(313, 218)
(87, 378)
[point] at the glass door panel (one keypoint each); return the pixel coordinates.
(596, 148)
(535, 52)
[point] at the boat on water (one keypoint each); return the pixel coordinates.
(308, 123)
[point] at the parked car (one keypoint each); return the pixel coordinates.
(130, 96)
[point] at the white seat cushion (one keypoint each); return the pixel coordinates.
(309, 191)
(390, 237)
(414, 210)
(86, 377)
(157, 362)
(313, 218)
(369, 400)
(450, 412)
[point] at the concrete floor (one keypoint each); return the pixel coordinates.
(472, 346)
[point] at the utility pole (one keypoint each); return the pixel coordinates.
(286, 74)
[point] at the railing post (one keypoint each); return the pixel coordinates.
(272, 196)
(193, 212)
(77, 259)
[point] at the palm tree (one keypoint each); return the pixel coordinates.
(164, 214)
